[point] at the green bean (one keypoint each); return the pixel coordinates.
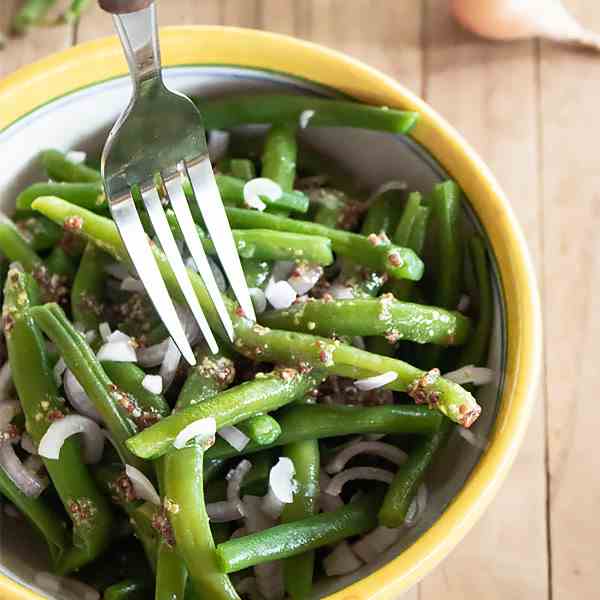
(256, 271)
(60, 168)
(383, 214)
(34, 381)
(373, 316)
(279, 155)
(128, 589)
(330, 205)
(87, 292)
(298, 570)
(281, 346)
(406, 223)
(39, 232)
(49, 524)
(117, 408)
(257, 479)
(31, 13)
(88, 195)
(60, 263)
(262, 429)
(232, 191)
(242, 168)
(15, 248)
(291, 539)
(171, 573)
(475, 351)
(228, 408)
(225, 113)
(378, 254)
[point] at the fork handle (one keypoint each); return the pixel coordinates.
(119, 7)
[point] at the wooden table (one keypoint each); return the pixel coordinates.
(532, 110)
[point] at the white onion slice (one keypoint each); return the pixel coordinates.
(327, 503)
(142, 486)
(152, 356)
(117, 270)
(218, 142)
(117, 352)
(305, 117)
(31, 485)
(417, 506)
(388, 186)
(472, 438)
(374, 543)
(282, 269)
(58, 370)
(76, 156)
(78, 398)
(90, 336)
(341, 561)
(234, 483)
(236, 438)
(153, 383)
(371, 473)
(259, 300)
(261, 186)
(387, 451)
(65, 587)
(6, 383)
(55, 436)
(224, 511)
(202, 430)
(118, 336)
(304, 278)
(341, 292)
(281, 487)
(104, 329)
(471, 374)
(170, 364)
(372, 383)
(131, 284)
(280, 294)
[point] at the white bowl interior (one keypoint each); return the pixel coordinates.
(82, 119)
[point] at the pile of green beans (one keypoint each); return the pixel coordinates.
(287, 383)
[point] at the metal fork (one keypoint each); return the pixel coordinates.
(158, 142)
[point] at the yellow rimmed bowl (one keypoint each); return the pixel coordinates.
(69, 101)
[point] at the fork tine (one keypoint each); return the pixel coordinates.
(188, 229)
(135, 240)
(167, 241)
(211, 206)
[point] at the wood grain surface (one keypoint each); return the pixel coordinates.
(531, 110)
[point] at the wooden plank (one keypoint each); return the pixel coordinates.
(21, 51)
(473, 83)
(570, 87)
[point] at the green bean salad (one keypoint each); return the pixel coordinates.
(301, 450)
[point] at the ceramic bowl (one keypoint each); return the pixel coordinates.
(70, 100)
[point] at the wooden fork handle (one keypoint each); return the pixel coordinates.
(119, 7)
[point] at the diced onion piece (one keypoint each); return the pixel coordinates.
(104, 329)
(202, 431)
(120, 351)
(261, 186)
(259, 300)
(372, 473)
(374, 543)
(372, 383)
(55, 436)
(281, 487)
(119, 336)
(153, 383)
(327, 503)
(90, 336)
(142, 486)
(341, 561)
(280, 294)
(387, 451)
(152, 356)
(305, 117)
(236, 438)
(234, 482)
(131, 284)
(117, 270)
(269, 579)
(78, 398)
(170, 364)
(282, 269)
(30, 484)
(218, 142)
(471, 374)
(472, 438)
(65, 587)
(58, 370)
(224, 511)
(304, 277)
(388, 186)
(341, 292)
(76, 156)
(417, 506)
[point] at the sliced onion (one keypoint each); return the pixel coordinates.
(6, 382)
(55, 436)
(218, 274)
(76, 156)
(218, 142)
(372, 473)
(131, 284)
(142, 486)
(117, 270)
(78, 398)
(170, 364)
(90, 336)
(190, 325)
(327, 503)
(374, 543)
(234, 481)
(388, 186)
(304, 278)
(387, 451)
(305, 117)
(372, 383)
(473, 439)
(31, 485)
(463, 303)
(281, 487)
(416, 507)
(33, 463)
(236, 438)
(152, 356)
(224, 511)
(282, 269)
(153, 383)
(341, 292)
(341, 561)
(261, 186)
(471, 374)
(280, 294)
(269, 579)
(58, 370)
(120, 351)
(119, 336)
(8, 411)
(259, 300)
(202, 430)
(254, 518)
(27, 444)
(65, 587)
(104, 329)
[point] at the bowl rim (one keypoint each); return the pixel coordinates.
(99, 60)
